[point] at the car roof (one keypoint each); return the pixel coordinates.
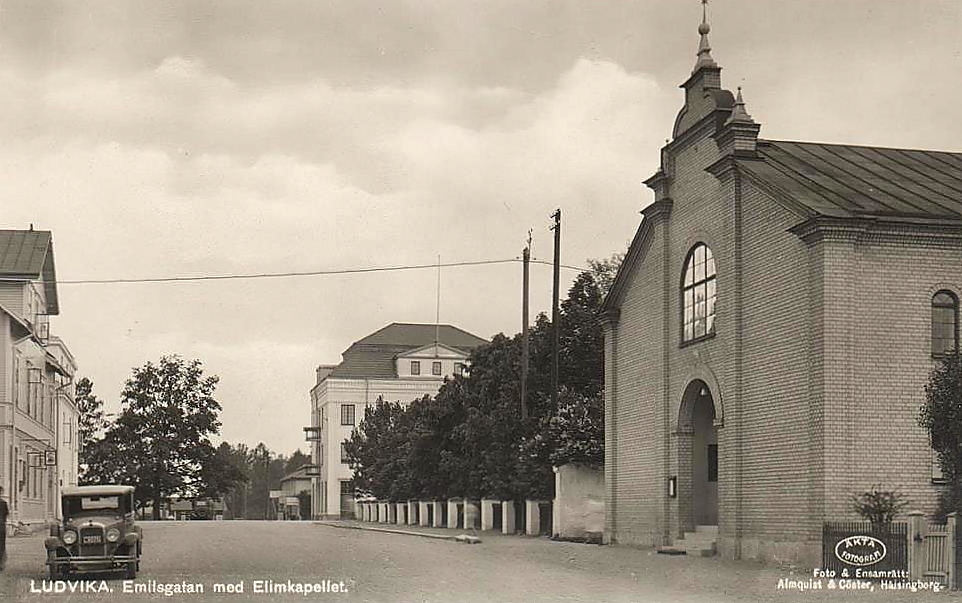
(105, 490)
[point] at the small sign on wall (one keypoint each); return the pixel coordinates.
(50, 458)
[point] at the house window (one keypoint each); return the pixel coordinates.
(344, 457)
(945, 323)
(436, 369)
(713, 462)
(415, 367)
(938, 477)
(347, 414)
(698, 294)
(347, 487)
(458, 369)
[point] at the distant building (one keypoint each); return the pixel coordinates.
(293, 485)
(770, 333)
(38, 416)
(399, 363)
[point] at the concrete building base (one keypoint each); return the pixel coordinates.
(423, 513)
(508, 518)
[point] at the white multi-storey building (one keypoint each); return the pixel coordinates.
(38, 416)
(400, 363)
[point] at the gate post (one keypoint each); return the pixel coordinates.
(950, 552)
(916, 536)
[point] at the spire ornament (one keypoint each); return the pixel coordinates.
(739, 114)
(704, 47)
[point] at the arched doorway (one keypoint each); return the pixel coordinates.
(699, 471)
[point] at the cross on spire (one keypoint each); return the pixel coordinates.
(704, 48)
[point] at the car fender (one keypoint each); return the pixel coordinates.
(131, 538)
(52, 543)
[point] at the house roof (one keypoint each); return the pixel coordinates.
(28, 255)
(299, 473)
(842, 181)
(373, 356)
(848, 180)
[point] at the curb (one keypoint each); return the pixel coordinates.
(463, 538)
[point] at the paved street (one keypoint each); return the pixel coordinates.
(391, 567)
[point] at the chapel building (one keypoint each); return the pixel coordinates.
(771, 331)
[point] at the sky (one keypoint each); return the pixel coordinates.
(183, 138)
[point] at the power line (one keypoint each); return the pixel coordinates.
(257, 275)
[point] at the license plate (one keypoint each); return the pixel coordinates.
(91, 539)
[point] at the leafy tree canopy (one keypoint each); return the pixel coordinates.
(160, 441)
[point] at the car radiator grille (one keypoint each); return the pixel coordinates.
(88, 548)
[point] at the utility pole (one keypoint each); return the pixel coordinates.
(554, 309)
(526, 255)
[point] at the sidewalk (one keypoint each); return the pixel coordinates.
(468, 536)
(711, 578)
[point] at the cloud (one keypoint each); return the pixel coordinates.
(179, 170)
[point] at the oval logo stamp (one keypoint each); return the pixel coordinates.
(860, 550)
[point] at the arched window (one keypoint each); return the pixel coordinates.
(945, 323)
(698, 294)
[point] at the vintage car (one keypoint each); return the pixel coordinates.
(98, 532)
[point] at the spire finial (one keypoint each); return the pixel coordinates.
(739, 114)
(704, 48)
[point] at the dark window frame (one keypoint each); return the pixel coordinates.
(344, 458)
(941, 308)
(707, 281)
(348, 414)
(415, 367)
(347, 484)
(436, 368)
(458, 369)
(711, 450)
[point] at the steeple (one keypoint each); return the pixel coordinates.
(703, 91)
(704, 47)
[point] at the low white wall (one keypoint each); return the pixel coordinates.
(579, 503)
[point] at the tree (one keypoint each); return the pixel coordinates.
(222, 472)
(604, 271)
(296, 461)
(941, 415)
(469, 440)
(92, 421)
(160, 441)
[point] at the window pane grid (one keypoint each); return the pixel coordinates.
(945, 317)
(347, 414)
(699, 293)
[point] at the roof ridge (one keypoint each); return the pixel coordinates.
(862, 146)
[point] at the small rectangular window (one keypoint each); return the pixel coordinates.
(436, 369)
(713, 462)
(415, 367)
(347, 487)
(347, 414)
(344, 457)
(458, 369)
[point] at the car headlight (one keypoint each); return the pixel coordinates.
(69, 537)
(113, 535)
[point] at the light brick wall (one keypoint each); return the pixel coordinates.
(834, 337)
(879, 441)
(635, 487)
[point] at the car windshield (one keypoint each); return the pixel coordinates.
(79, 505)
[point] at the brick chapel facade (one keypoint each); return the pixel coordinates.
(770, 333)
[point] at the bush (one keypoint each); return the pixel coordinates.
(879, 506)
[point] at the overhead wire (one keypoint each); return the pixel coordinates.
(260, 275)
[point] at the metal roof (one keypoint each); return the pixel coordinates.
(373, 356)
(105, 490)
(28, 255)
(848, 180)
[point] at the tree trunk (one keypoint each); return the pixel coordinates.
(156, 512)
